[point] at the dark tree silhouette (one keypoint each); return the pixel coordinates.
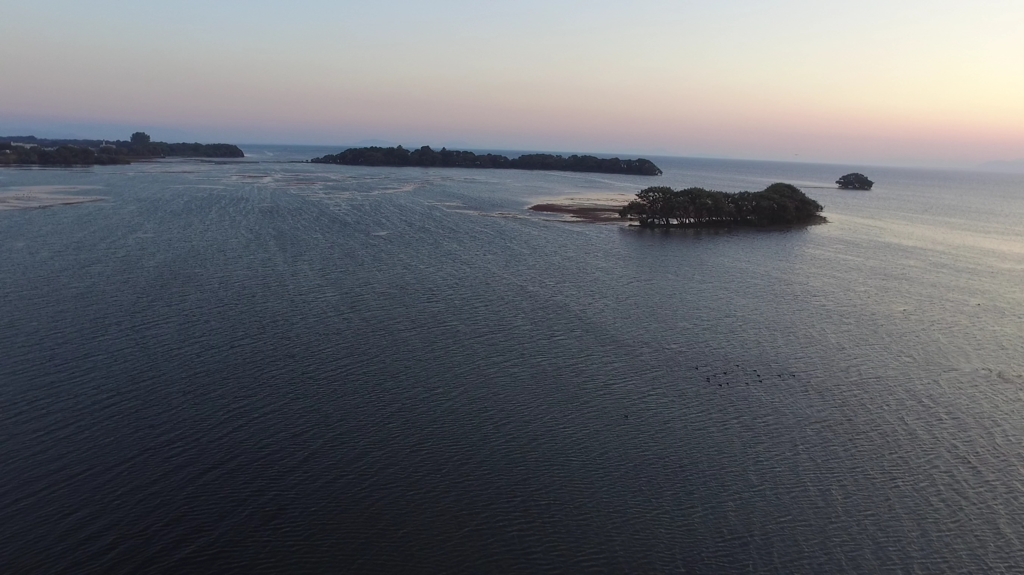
(854, 181)
(42, 151)
(59, 156)
(778, 204)
(426, 157)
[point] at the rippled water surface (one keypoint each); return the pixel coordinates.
(246, 367)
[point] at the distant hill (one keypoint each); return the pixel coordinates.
(1011, 166)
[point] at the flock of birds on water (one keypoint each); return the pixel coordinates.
(720, 378)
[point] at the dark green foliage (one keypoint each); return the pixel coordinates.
(59, 156)
(638, 167)
(778, 204)
(456, 159)
(426, 157)
(183, 150)
(88, 152)
(855, 181)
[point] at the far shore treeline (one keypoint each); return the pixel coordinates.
(425, 157)
(778, 204)
(29, 150)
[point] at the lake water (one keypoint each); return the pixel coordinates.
(242, 367)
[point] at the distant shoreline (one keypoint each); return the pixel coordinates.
(32, 151)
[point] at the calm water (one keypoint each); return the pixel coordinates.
(256, 367)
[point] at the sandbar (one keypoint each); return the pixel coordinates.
(37, 197)
(586, 213)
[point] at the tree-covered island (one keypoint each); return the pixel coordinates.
(854, 181)
(778, 204)
(425, 157)
(29, 150)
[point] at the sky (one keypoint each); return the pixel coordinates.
(931, 83)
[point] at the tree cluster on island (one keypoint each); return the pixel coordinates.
(428, 158)
(854, 181)
(29, 150)
(778, 204)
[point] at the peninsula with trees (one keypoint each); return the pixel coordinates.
(425, 157)
(29, 150)
(777, 205)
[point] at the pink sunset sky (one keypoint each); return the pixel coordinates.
(918, 83)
